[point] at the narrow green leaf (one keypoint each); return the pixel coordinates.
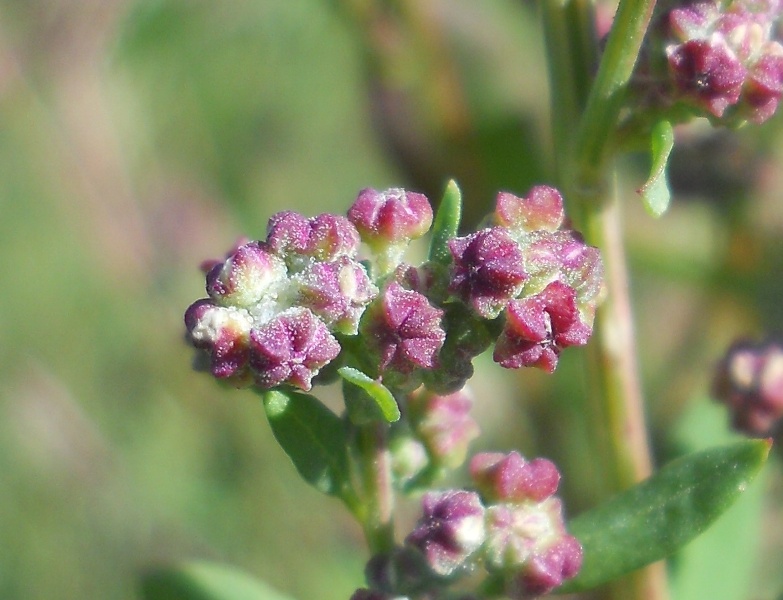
(204, 581)
(662, 514)
(312, 436)
(366, 399)
(655, 192)
(446, 223)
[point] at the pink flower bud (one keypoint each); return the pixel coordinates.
(450, 531)
(541, 209)
(487, 270)
(251, 273)
(444, 424)
(708, 72)
(336, 291)
(291, 349)
(749, 380)
(390, 217)
(404, 330)
(324, 238)
(538, 327)
(510, 478)
(223, 334)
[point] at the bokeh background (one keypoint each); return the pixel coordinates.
(139, 137)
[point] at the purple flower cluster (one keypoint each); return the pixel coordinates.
(722, 58)
(544, 280)
(274, 306)
(526, 538)
(281, 309)
(512, 527)
(749, 381)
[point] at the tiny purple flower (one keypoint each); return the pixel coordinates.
(541, 209)
(708, 72)
(390, 217)
(336, 291)
(529, 544)
(765, 85)
(487, 270)
(223, 334)
(510, 478)
(450, 530)
(324, 238)
(538, 327)
(291, 349)
(749, 381)
(248, 275)
(543, 573)
(404, 330)
(444, 424)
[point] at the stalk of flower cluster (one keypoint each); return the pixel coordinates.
(613, 409)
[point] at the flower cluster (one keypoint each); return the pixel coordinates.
(512, 527)
(274, 306)
(749, 381)
(544, 280)
(281, 309)
(719, 58)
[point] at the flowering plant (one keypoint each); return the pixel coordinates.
(337, 299)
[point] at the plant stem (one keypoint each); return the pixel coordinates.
(614, 410)
(376, 474)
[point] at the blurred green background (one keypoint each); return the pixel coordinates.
(139, 137)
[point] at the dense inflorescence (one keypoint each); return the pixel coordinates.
(279, 310)
(715, 58)
(511, 527)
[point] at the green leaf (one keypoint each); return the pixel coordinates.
(313, 437)
(446, 223)
(660, 515)
(204, 581)
(655, 192)
(366, 399)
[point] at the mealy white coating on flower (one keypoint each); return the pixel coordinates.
(215, 321)
(471, 532)
(517, 532)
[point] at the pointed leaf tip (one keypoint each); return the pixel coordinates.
(446, 224)
(655, 192)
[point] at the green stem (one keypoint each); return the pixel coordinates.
(614, 410)
(376, 475)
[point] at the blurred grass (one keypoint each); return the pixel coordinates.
(139, 137)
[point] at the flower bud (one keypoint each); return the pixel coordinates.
(223, 335)
(444, 424)
(323, 238)
(541, 209)
(721, 62)
(450, 531)
(509, 478)
(249, 275)
(290, 349)
(537, 329)
(391, 217)
(488, 270)
(336, 291)
(749, 381)
(403, 330)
